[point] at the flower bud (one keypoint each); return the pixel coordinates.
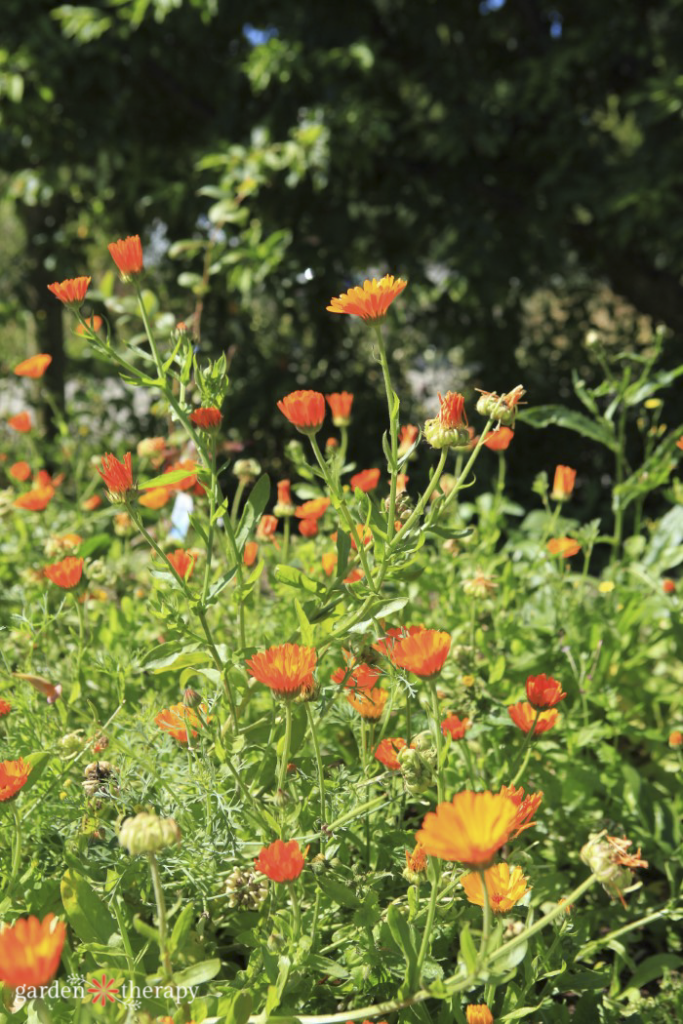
(148, 833)
(246, 470)
(416, 769)
(192, 699)
(449, 428)
(72, 742)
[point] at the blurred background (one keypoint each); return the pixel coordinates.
(519, 161)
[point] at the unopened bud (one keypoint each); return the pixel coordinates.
(247, 470)
(148, 833)
(192, 699)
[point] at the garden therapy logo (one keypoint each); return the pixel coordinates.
(103, 989)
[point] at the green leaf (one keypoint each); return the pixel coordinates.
(181, 928)
(39, 762)
(403, 935)
(87, 914)
(167, 479)
(256, 502)
(305, 628)
(467, 950)
(239, 1009)
(292, 577)
(651, 968)
(198, 973)
(338, 892)
(556, 415)
(167, 654)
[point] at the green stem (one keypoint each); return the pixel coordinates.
(439, 740)
(393, 434)
(321, 775)
(431, 911)
(287, 527)
(212, 511)
(486, 930)
(468, 465)
(161, 912)
(431, 487)
(295, 907)
(16, 850)
(285, 749)
(524, 752)
(464, 747)
(241, 484)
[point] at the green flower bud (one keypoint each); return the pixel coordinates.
(148, 833)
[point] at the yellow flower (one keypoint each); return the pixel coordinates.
(606, 587)
(505, 888)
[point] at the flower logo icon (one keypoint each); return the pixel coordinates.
(102, 990)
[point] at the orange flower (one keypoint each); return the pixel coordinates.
(304, 409)
(21, 422)
(188, 482)
(356, 675)
(368, 703)
(71, 292)
(308, 528)
(354, 576)
(19, 471)
(35, 500)
(407, 437)
(33, 367)
(266, 527)
(543, 692)
(117, 476)
(51, 692)
(127, 255)
(401, 483)
(5, 708)
(505, 888)
(469, 829)
(92, 503)
(314, 509)
(366, 480)
(284, 505)
(340, 403)
(155, 498)
(668, 586)
(526, 807)
(455, 727)
(386, 644)
(387, 751)
(499, 440)
(523, 715)
(676, 739)
(417, 860)
(563, 484)
(179, 720)
(93, 322)
(208, 418)
(182, 562)
(67, 573)
(13, 776)
(30, 951)
(250, 553)
(285, 669)
(150, 446)
(332, 442)
(423, 654)
(329, 562)
(563, 546)
(452, 413)
(281, 862)
(370, 302)
(478, 1013)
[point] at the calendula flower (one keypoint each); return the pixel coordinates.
(366, 480)
(151, 446)
(478, 1013)
(281, 862)
(285, 669)
(668, 586)
(423, 654)
(480, 586)
(117, 476)
(340, 403)
(30, 951)
(407, 437)
(127, 255)
(329, 562)
(544, 692)
(387, 751)
(92, 322)
(35, 500)
(21, 422)
(71, 292)
(505, 888)
(34, 366)
(67, 573)
(356, 675)
(417, 860)
(470, 829)
(250, 553)
(19, 471)
(208, 418)
(304, 409)
(563, 484)
(284, 506)
(455, 727)
(563, 546)
(354, 576)
(449, 428)
(308, 528)
(155, 498)
(5, 708)
(266, 527)
(179, 720)
(370, 302)
(679, 443)
(13, 777)
(368, 703)
(314, 509)
(676, 739)
(92, 503)
(523, 715)
(526, 807)
(499, 440)
(183, 563)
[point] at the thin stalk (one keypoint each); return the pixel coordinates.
(287, 527)
(241, 484)
(285, 749)
(431, 487)
(321, 774)
(524, 752)
(295, 907)
(463, 746)
(161, 913)
(439, 740)
(16, 850)
(486, 930)
(468, 465)
(429, 923)
(393, 435)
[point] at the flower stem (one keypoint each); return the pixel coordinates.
(486, 930)
(295, 908)
(439, 739)
(321, 776)
(161, 912)
(393, 434)
(285, 749)
(524, 752)
(431, 911)
(285, 540)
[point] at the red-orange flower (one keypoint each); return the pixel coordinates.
(30, 951)
(423, 654)
(499, 440)
(526, 807)
(368, 703)
(91, 503)
(308, 528)
(266, 527)
(563, 484)
(182, 562)
(676, 739)
(304, 409)
(285, 502)
(354, 576)
(329, 562)
(478, 1013)
(340, 403)
(469, 829)
(127, 255)
(524, 716)
(366, 480)
(455, 727)
(13, 776)
(393, 635)
(563, 546)
(155, 498)
(285, 669)
(71, 292)
(67, 573)
(20, 471)
(93, 322)
(668, 586)
(281, 862)
(5, 708)
(452, 411)
(21, 422)
(313, 509)
(179, 720)
(117, 476)
(208, 418)
(417, 860)
(387, 751)
(370, 302)
(544, 692)
(356, 675)
(35, 500)
(34, 366)
(407, 437)
(250, 553)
